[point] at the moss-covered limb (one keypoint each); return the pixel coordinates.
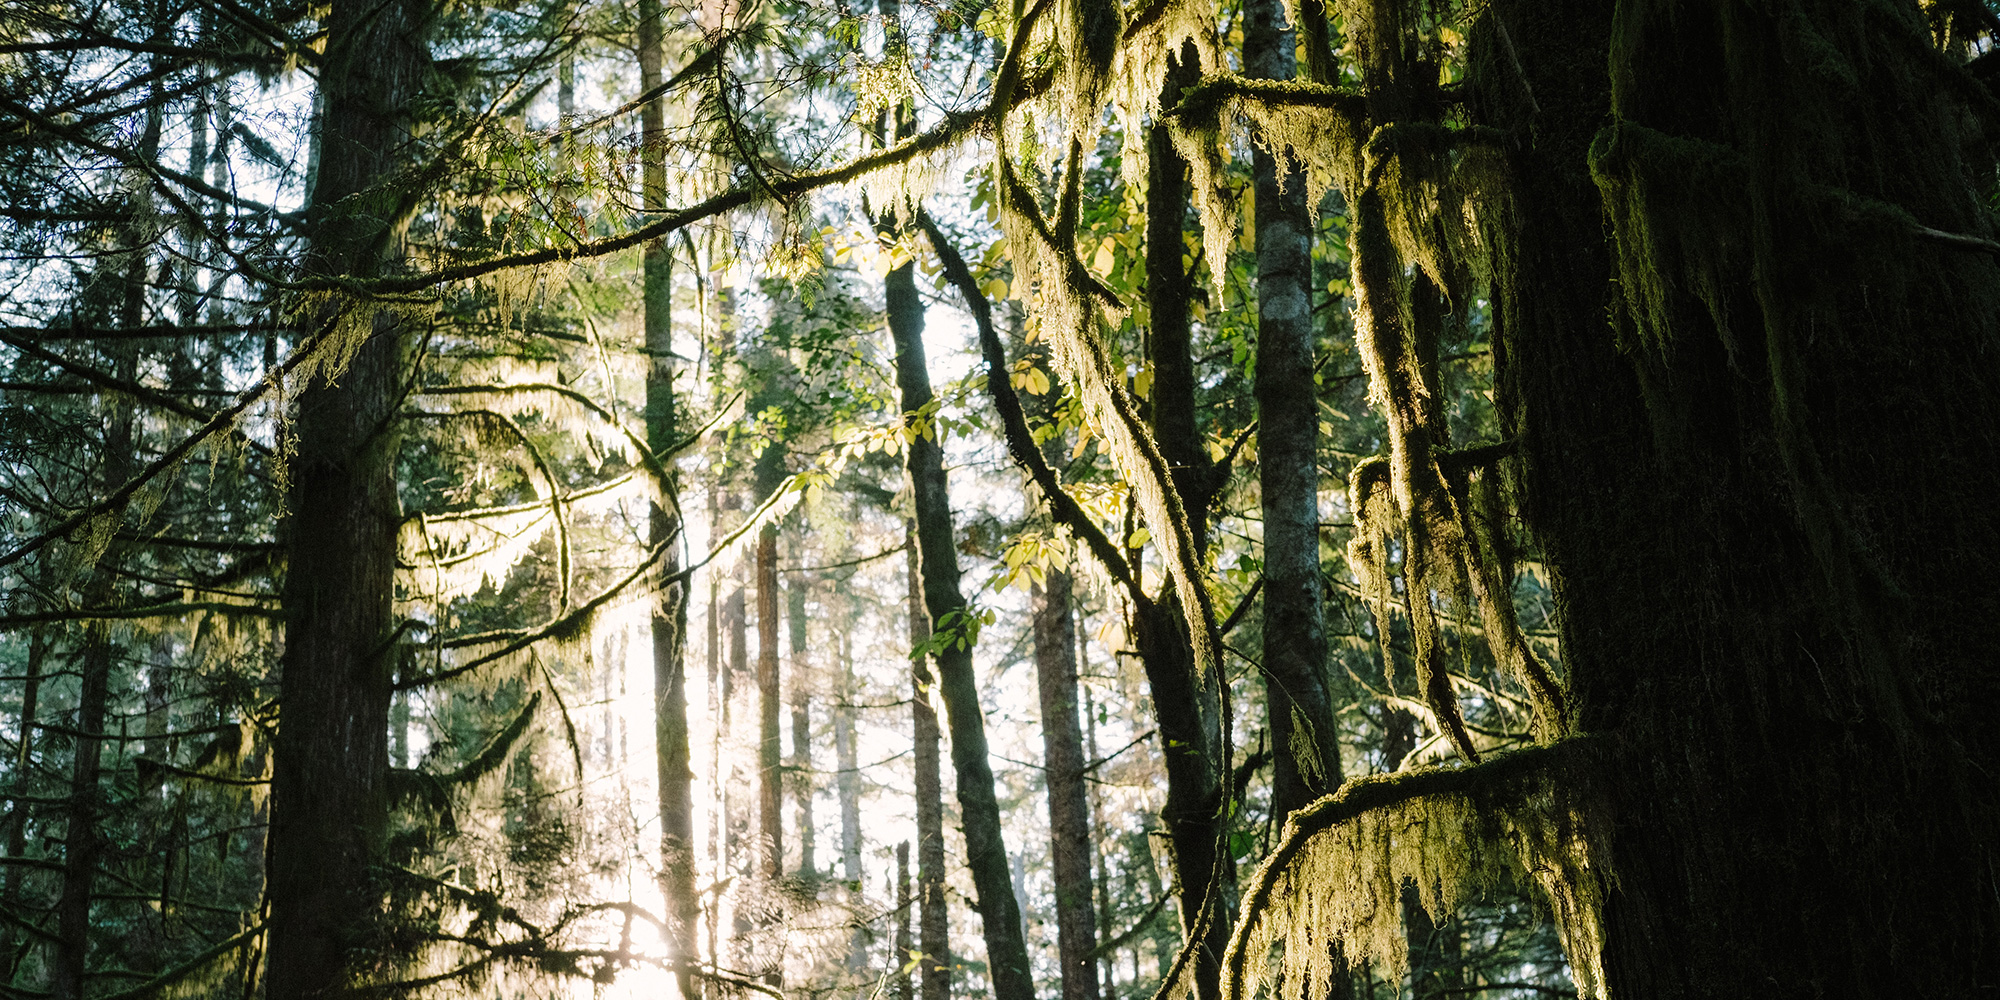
(1489, 572)
(1071, 323)
(1020, 442)
(166, 980)
(1202, 104)
(1510, 782)
(564, 626)
(1404, 386)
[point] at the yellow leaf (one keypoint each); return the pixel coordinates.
(1142, 383)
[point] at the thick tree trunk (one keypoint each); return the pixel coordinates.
(1306, 753)
(1069, 798)
(1765, 494)
(933, 925)
(331, 757)
(672, 753)
(986, 853)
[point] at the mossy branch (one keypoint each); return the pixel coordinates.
(1363, 795)
(1020, 442)
(497, 747)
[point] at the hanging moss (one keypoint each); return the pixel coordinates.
(1334, 885)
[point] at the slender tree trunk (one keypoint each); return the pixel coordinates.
(1186, 707)
(900, 958)
(1306, 755)
(847, 785)
(1069, 799)
(770, 745)
(986, 852)
(802, 773)
(327, 808)
(672, 754)
(933, 925)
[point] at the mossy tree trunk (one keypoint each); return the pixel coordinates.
(934, 919)
(1185, 704)
(1305, 750)
(1764, 491)
(937, 558)
(331, 755)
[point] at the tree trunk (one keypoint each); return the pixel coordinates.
(1764, 493)
(847, 786)
(986, 853)
(1305, 750)
(802, 781)
(770, 744)
(331, 758)
(934, 923)
(1069, 798)
(900, 958)
(672, 753)
(1185, 706)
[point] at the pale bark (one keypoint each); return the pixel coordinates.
(1306, 754)
(672, 754)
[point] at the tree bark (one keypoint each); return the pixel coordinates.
(1186, 708)
(1069, 798)
(847, 786)
(900, 958)
(672, 753)
(801, 769)
(770, 743)
(331, 759)
(934, 922)
(1306, 752)
(986, 853)
(1765, 501)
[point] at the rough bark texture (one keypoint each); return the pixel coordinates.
(1764, 492)
(1069, 798)
(672, 754)
(332, 747)
(933, 924)
(1305, 750)
(986, 853)
(1185, 705)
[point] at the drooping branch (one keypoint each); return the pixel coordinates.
(1020, 441)
(1504, 782)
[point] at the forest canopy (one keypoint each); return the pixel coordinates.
(1168, 500)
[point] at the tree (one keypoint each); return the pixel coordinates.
(1708, 472)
